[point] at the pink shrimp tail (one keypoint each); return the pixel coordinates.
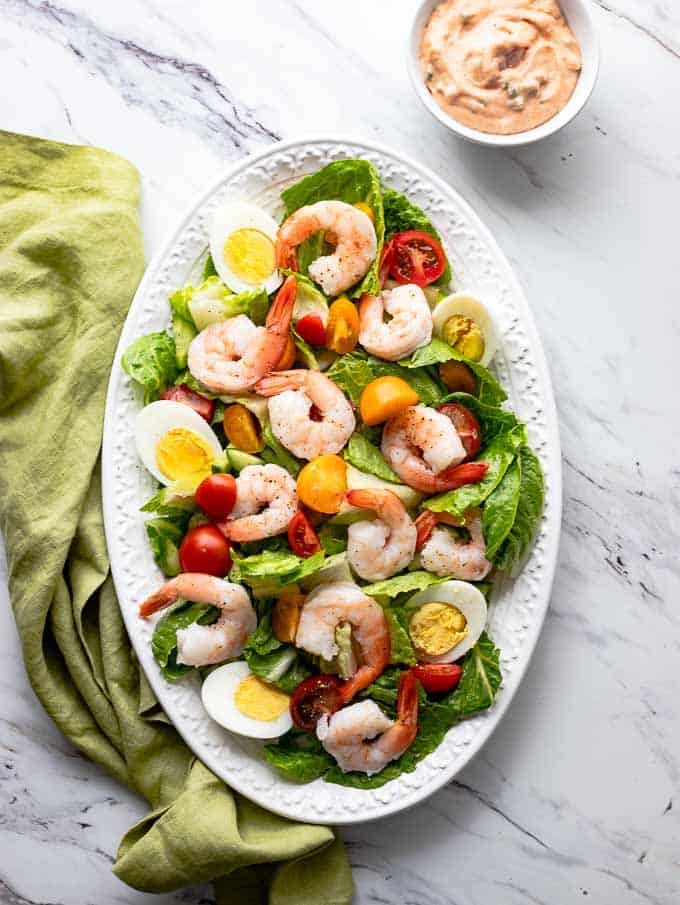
(281, 312)
(280, 381)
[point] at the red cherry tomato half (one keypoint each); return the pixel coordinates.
(438, 677)
(205, 549)
(314, 697)
(467, 426)
(312, 329)
(302, 537)
(216, 495)
(416, 258)
(185, 395)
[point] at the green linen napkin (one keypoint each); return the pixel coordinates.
(70, 259)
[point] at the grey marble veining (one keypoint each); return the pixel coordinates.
(575, 798)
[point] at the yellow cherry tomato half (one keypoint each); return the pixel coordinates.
(342, 330)
(242, 429)
(322, 482)
(288, 358)
(365, 209)
(384, 398)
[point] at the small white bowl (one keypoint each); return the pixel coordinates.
(578, 15)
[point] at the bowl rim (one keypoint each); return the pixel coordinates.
(576, 103)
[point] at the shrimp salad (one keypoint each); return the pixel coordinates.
(340, 480)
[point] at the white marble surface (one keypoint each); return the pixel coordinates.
(575, 798)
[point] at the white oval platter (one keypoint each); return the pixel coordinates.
(519, 604)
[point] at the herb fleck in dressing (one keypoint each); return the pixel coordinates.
(500, 66)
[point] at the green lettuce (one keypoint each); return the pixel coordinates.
(500, 509)
(333, 538)
(299, 756)
(499, 454)
(529, 508)
(150, 361)
(437, 351)
(273, 661)
(267, 572)
(305, 353)
(492, 419)
(275, 452)
(209, 267)
(351, 181)
(401, 584)
(401, 215)
(212, 301)
(165, 536)
(171, 504)
(354, 371)
(479, 683)
(361, 453)
(401, 651)
(164, 640)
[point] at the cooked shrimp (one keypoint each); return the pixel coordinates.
(418, 444)
(333, 604)
(232, 355)
(409, 327)
(201, 645)
(290, 412)
(361, 737)
(448, 554)
(381, 548)
(348, 228)
(266, 501)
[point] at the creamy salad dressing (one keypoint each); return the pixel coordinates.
(500, 66)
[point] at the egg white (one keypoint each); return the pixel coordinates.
(217, 694)
(157, 419)
(468, 306)
(465, 597)
(229, 218)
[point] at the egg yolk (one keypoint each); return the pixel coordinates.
(259, 701)
(249, 254)
(465, 336)
(181, 455)
(437, 627)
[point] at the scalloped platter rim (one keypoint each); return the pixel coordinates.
(520, 603)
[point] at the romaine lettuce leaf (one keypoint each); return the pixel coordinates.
(209, 267)
(401, 652)
(275, 452)
(271, 570)
(279, 664)
(333, 538)
(401, 584)
(164, 640)
(492, 419)
(498, 454)
(401, 214)
(212, 301)
(529, 508)
(165, 536)
(500, 509)
(305, 353)
(354, 371)
(437, 351)
(361, 453)
(351, 181)
(479, 683)
(172, 504)
(299, 756)
(352, 374)
(150, 361)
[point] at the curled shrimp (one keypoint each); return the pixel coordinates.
(360, 737)
(447, 554)
(266, 501)
(381, 548)
(423, 447)
(409, 327)
(290, 412)
(333, 604)
(347, 227)
(232, 355)
(201, 645)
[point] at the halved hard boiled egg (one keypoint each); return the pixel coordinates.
(243, 703)
(465, 323)
(242, 238)
(446, 620)
(175, 443)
